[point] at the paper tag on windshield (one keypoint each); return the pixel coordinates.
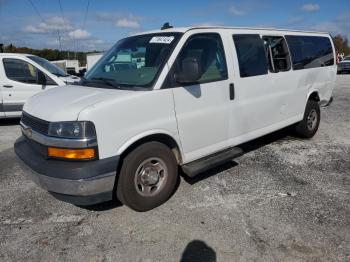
(161, 39)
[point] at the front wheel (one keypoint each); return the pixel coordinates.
(308, 127)
(148, 176)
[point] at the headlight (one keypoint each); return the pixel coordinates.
(76, 129)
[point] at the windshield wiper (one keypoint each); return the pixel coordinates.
(108, 81)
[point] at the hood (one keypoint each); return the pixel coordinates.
(69, 79)
(65, 103)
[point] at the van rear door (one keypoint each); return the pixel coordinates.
(314, 66)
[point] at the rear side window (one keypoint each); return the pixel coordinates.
(310, 51)
(251, 55)
(277, 53)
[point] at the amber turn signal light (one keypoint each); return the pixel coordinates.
(86, 153)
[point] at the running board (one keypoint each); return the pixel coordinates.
(198, 166)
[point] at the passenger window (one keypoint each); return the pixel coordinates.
(277, 53)
(21, 71)
(251, 55)
(209, 51)
(310, 51)
(24, 72)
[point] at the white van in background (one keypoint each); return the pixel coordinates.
(91, 59)
(184, 97)
(24, 75)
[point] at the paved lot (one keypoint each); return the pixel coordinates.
(285, 200)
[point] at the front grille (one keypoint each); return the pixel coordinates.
(36, 124)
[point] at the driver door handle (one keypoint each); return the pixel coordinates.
(7, 86)
(232, 91)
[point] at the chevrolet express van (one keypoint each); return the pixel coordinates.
(168, 99)
(22, 76)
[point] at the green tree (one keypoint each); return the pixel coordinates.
(49, 54)
(341, 44)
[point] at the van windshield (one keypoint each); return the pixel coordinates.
(53, 69)
(133, 62)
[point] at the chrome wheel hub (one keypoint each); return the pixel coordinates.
(312, 120)
(150, 176)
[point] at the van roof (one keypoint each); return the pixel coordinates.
(185, 29)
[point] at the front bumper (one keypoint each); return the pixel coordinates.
(77, 182)
(343, 67)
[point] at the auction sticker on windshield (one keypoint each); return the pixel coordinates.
(162, 39)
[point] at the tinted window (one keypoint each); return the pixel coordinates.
(208, 50)
(310, 51)
(251, 55)
(21, 71)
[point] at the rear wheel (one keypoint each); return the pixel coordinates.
(147, 177)
(308, 127)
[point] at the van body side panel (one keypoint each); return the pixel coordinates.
(261, 100)
(315, 79)
(320, 80)
(202, 113)
(121, 122)
(266, 105)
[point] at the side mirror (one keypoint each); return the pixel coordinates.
(41, 78)
(191, 71)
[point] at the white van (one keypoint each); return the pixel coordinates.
(22, 76)
(191, 97)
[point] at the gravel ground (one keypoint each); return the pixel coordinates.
(286, 199)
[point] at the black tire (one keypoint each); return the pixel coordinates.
(129, 188)
(308, 127)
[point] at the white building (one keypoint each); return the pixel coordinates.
(91, 59)
(68, 65)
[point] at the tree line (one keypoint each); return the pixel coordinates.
(341, 44)
(49, 54)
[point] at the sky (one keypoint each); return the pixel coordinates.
(88, 25)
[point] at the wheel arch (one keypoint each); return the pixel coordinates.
(314, 96)
(156, 135)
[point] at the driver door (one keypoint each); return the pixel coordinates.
(20, 82)
(203, 108)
